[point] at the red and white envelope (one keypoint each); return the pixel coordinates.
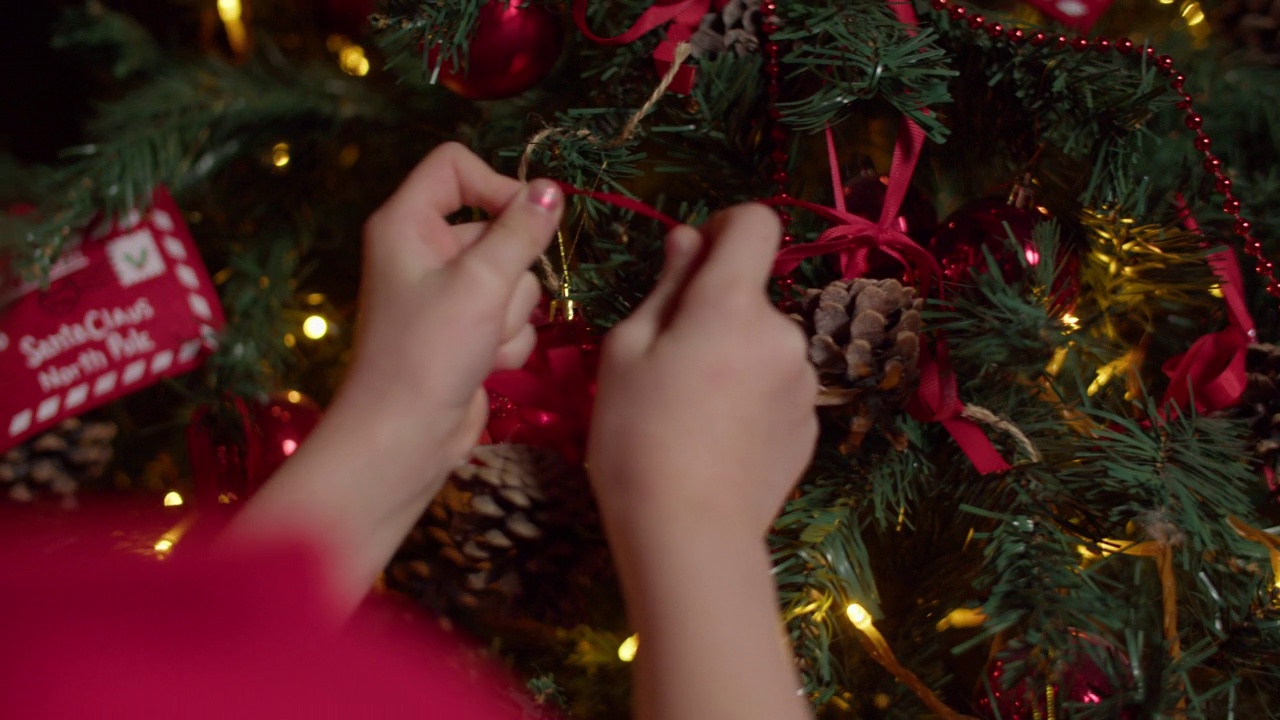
(128, 305)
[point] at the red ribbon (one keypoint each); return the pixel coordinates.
(937, 397)
(1212, 370)
(682, 18)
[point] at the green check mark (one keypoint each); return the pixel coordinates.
(139, 262)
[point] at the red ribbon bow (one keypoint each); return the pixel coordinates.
(682, 18)
(1212, 371)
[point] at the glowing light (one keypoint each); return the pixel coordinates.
(164, 545)
(280, 154)
(352, 60)
(1032, 254)
(962, 618)
(294, 396)
(288, 447)
(290, 340)
(1192, 13)
(229, 10)
(315, 327)
(1071, 321)
(173, 499)
(859, 616)
(315, 299)
(627, 650)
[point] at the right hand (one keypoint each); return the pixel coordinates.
(704, 415)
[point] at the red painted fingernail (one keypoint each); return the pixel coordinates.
(546, 195)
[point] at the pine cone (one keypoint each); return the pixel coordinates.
(511, 533)
(735, 28)
(864, 340)
(58, 461)
(1254, 25)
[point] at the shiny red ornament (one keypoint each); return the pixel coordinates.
(1079, 681)
(514, 47)
(917, 219)
(235, 447)
(548, 401)
(283, 422)
(988, 224)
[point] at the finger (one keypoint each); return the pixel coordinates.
(514, 352)
(743, 241)
(526, 294)
(520, 233)
(450, 178)
(684, 249)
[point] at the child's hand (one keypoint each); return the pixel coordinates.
(705, 407)
(444, 305)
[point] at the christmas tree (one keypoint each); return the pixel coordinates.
(1029, 243)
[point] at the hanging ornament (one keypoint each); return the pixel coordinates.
(988, 224)
(58, 460)
(235, 447)
(283, 422)
(547, 403)
(1079, 681)
(514, 46)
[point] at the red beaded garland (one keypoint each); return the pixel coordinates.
(1177, 81)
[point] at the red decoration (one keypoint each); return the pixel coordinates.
(349, 17)
(986, 224)
(1081, 681)
(128, 303)
(865, 196)
(235, 448)
(514, 47)
(681, 18)
(283, 422)
(548, 402)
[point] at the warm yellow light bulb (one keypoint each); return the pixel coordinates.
(315, 327)
(1071, 321)
(352, 60)
(229, 10)
(627, 650)
(173, 499)
(164, 545)
(859, 616)
(280, 154)
(294, 396)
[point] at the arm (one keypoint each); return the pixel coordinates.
(441, 307)
(703, 422)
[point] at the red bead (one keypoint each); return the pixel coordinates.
(786, 283)
(1061, 41)
(778, 156)
(784, 217)
(957, 12)
(769, 7)
(1273, 289)
(1231, 206)
(1212, 164)
(781, 177)
(1102, 45)
(1037, 39)
(1151, 52)
(781, 195)
(788, 240)
(1184, 103)
(1264, 267)
(1017, 35)
(1193, 121)
(1243, 227)
(778, 133)
(977, 21)
(772, 48)
(770, 26)
(1222, 184)
(1124, 45)
(939, 4)
(995, 30)
(1177, 81)
(1165, 64)
(1202, 142)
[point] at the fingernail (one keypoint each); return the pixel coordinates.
(546, 195)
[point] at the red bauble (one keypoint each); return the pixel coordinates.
(1081, 680)
(959, 243)
(349, 17)
(283, 422)
(236, 447)
(548, 402)
(514, 47)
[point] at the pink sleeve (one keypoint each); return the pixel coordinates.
(92, 626)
